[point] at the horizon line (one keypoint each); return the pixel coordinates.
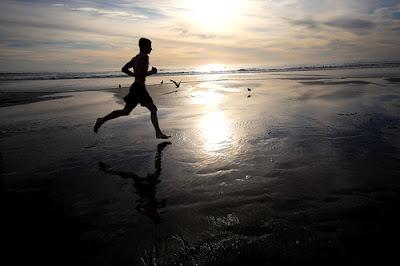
(231, 67)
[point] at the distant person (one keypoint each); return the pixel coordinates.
(137, 92)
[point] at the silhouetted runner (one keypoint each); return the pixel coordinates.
(137, 92)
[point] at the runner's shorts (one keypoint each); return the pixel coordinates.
(138, 94)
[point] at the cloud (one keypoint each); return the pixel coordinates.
(308, 23)
(59, 27)
(389, 13)
(109, 13)
(355, 25)
(55, 44)
(267, 32)
(358, 26)
(185, 32)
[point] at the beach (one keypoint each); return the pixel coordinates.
(303, 169)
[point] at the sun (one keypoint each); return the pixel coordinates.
(214, 15)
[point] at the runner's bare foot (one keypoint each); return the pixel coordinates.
(162, 136)
(98, 124)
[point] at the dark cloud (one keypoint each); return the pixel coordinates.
(396, 15)
(308, 23)
(373, 5)
(359, 26)
(350, 24)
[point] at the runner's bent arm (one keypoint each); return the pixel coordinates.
(126, 70)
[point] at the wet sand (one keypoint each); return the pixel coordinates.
(298, 172)
(16, 98)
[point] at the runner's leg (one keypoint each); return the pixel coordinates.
(114, 114)
(154, 119)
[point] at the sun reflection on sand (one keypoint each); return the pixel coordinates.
(215, 130)
(208, 97)
(213, 124)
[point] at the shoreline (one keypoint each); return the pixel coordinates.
(48, 89)
(194, 71)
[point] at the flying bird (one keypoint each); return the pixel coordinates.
(249, 90)
(177, 84)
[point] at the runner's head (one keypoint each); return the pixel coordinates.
(145, 45)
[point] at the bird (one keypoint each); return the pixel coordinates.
(177, 84)
(162, 81)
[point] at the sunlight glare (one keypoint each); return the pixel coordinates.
(208, 97)
(215, 128)
(214, 15)
(211, 68)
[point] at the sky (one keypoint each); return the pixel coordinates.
(73, 35)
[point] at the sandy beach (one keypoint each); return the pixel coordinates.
(302, 170)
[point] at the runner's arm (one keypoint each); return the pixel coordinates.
(152, 71)
(126, 70)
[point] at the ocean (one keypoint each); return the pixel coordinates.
(86, 81)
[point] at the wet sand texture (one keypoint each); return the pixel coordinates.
(296, 174)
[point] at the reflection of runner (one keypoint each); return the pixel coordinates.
(145, 187)
(137, 92)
